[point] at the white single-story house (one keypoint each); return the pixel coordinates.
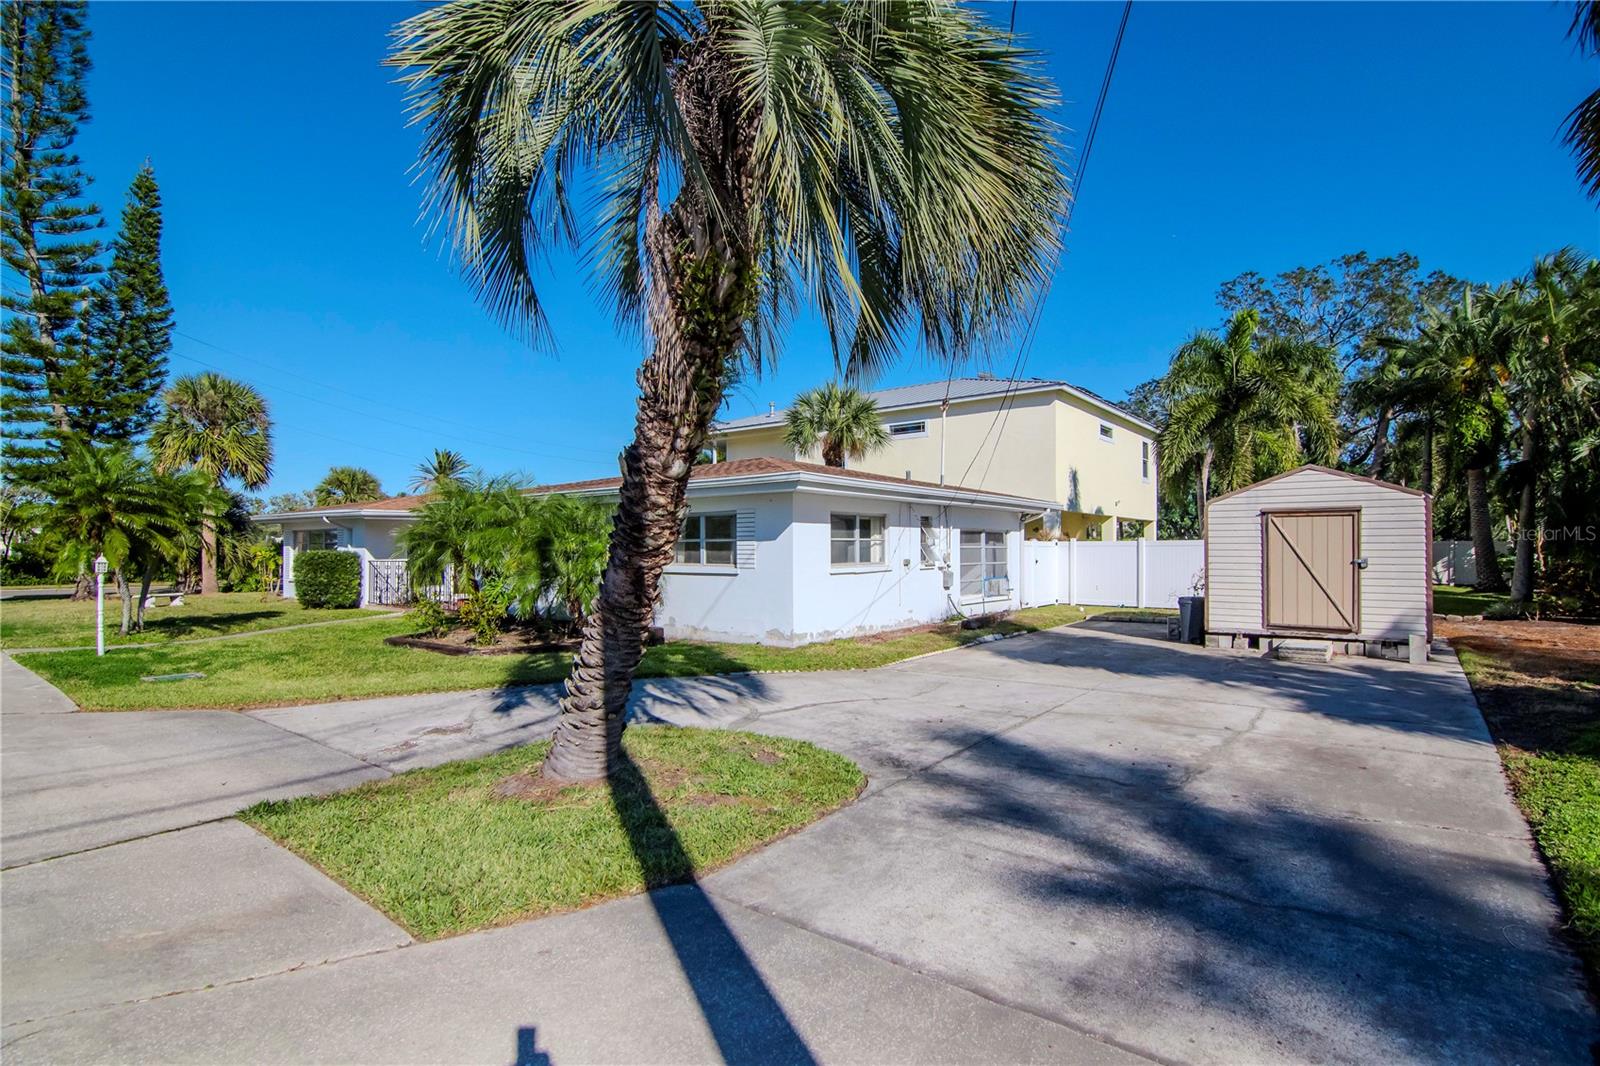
(773, 551)
(1321, 554)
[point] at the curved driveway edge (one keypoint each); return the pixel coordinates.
(1075, 845)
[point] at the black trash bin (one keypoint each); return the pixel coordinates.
(1192, 619)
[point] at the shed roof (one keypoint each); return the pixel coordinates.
(1321, 470)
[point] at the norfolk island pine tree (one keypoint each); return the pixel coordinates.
(730, 141)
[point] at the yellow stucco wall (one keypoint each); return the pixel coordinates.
(1047, 447)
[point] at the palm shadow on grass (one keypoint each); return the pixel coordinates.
(745, 1018)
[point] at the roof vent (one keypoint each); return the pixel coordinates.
(772, 408)
(984, 375)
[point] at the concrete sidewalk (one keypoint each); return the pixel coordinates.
(1076, 846)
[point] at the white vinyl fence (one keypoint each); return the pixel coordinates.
(1455, 562)
(1128, 573)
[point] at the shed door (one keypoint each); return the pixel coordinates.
(1309, 571)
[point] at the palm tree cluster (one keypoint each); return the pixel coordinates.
(1492, 404)
(1243, 406)
(219, 428)
(839, 420)
(539, 557)
(890, 165)
(110, 500)
(1504, 390)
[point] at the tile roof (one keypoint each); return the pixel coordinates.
(934, 392)
(758, 465)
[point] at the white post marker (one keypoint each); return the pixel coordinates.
(101, 565)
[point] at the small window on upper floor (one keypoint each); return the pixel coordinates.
(1144, 460)
(908, 429)
(1106, 432)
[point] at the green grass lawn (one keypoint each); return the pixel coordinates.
(1464, 599)
(65, 624)
(443, 851)
(1542, 703)
(351, 661)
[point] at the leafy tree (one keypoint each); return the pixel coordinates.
(128, 326)
(444, 467)
(347, 484)
(1583, 124)
(45, 223)
(220, 427)
(839, 418)
(1242, 406)
(890, 163)
(283, 501)
(1357, 307)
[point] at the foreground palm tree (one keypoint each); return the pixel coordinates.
(842, 419)
(1241, 407)
(219, 427)
(347, 484)
(889, 164)
(446, 467)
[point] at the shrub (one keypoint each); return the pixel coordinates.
(327, 578)
(430, 618)
(484, 611)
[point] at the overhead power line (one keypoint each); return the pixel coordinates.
(1002, 414)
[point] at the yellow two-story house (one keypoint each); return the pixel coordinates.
(1044, 440)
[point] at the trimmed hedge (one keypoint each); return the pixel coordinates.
(327, 578)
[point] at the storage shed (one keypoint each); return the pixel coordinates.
(1321, 554)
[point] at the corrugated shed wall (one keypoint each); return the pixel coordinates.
(1394, 539)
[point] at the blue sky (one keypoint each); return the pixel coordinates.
(1243, 136)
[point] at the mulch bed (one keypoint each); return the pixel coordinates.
(1544, 683)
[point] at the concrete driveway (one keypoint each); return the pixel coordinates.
(1083, 845)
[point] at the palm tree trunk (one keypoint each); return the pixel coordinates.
(1489, 577)
(1427, 456)
(123, 594)
(681, 386)
(1522, 574)
(208, 556)
(1200, 489)
(144, 593)
(1380, 443)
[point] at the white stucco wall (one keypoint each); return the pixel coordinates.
(785, 590)
(792, 594)
(747, 604)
